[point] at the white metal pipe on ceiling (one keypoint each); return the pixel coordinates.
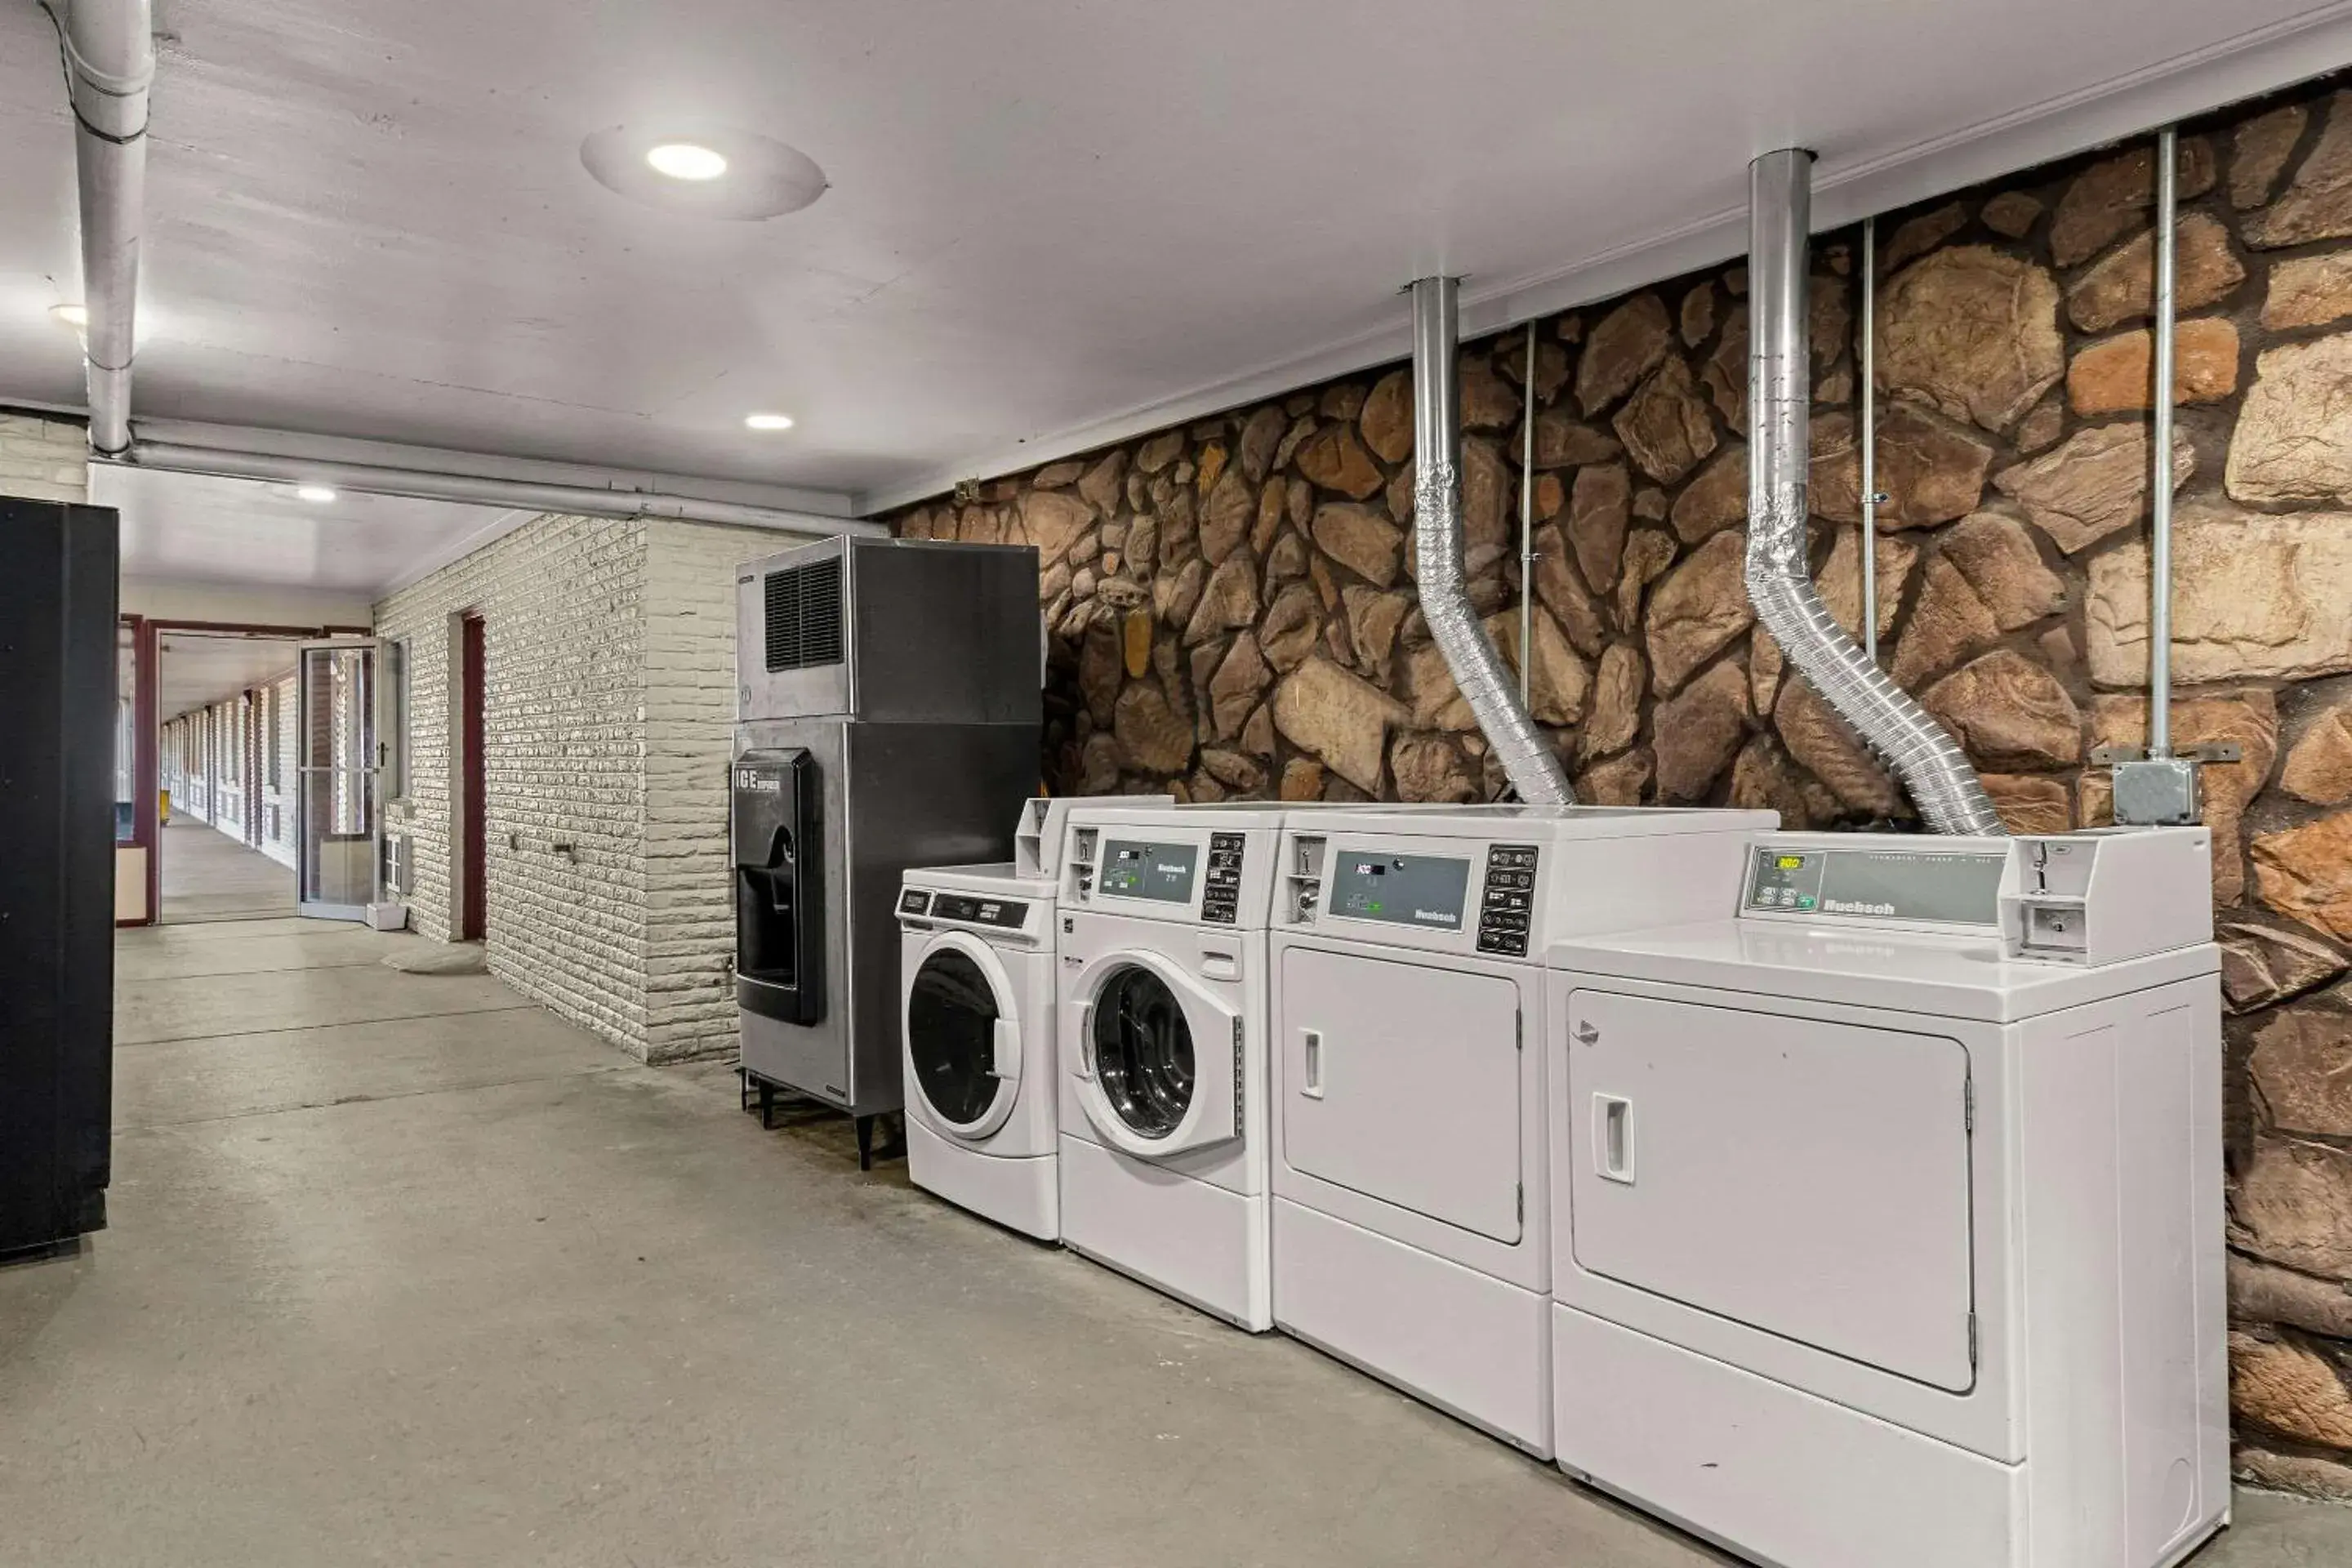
(519, 495)
(109, 61)
(1931, 765)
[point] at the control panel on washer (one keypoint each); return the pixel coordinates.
(1168, 864)
(1221, 900)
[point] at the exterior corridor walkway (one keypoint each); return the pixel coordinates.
(404, 1271)
(209, 876)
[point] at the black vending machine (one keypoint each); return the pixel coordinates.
(57, 700)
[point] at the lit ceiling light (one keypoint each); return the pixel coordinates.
(769, 421)
(687, 160)
(702, 170)
(318, 493)
(74, 316)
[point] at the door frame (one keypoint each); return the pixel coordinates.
(469, 857)
(147, 814)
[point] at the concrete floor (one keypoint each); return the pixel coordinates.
(209, 876)
(404, 1271)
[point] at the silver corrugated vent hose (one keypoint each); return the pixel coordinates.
(1526, 757)
(1780, 579)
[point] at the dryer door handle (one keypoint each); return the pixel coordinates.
(1084, 1012)
(1612, 1138)
(1310, 1078)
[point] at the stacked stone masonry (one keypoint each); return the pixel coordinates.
(608, 700)
(1230, 607)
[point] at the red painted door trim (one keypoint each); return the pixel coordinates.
(473, 923)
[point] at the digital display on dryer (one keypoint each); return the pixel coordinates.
(1425, 890)
(1163, 873)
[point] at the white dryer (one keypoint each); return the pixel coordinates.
(1163, 1039)
(1408, 1131)
(1887, 1214)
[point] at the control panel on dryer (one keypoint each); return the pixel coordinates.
(1508, 907)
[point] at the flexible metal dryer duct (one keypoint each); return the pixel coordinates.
(1526, 757)
(110, 60)
(1780, 579)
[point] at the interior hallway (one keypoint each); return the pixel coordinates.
(208, 876)
(405, 1270)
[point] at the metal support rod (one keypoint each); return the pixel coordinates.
(1528, 530)
(2159, 546)
(1870, 438)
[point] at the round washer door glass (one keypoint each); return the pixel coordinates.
(1143, 1052)
(951, 1015)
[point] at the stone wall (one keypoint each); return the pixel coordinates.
(1232, 610)
(43, 459)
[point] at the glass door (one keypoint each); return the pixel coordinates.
(337, 821)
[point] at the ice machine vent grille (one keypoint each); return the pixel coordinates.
(804, 615)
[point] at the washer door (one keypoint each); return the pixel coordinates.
(1159, 1059)
(963, 1036)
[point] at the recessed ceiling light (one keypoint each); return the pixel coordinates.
(319, 493)
(769, 421)
(687, 160)
(704, 169)
(74, 316)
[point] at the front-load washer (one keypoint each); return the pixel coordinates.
(1161, 1009)
(1409, 1173)
(976, 980)
(976, 970)
(1887, 1213)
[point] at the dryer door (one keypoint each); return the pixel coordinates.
(963, 1036)
(1404, 1082)
(1158, 1058)
(1804, 1177)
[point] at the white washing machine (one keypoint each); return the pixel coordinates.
(976, 975)
(976, 982)
(1887, 1214)
(1408, 1129)
(1162, 1013)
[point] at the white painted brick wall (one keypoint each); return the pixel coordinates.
(278, 800)
(690, 735)
(43, 459)
(565, 717)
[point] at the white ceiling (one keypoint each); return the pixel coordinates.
(193, 670)
(187, 527)
(1047, 220)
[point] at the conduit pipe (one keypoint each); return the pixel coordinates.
(519, 495)
(1869, 394)
(110, 59)
(1528, 529)
(2159, 493)
(1780, 578)
(1527, 758)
